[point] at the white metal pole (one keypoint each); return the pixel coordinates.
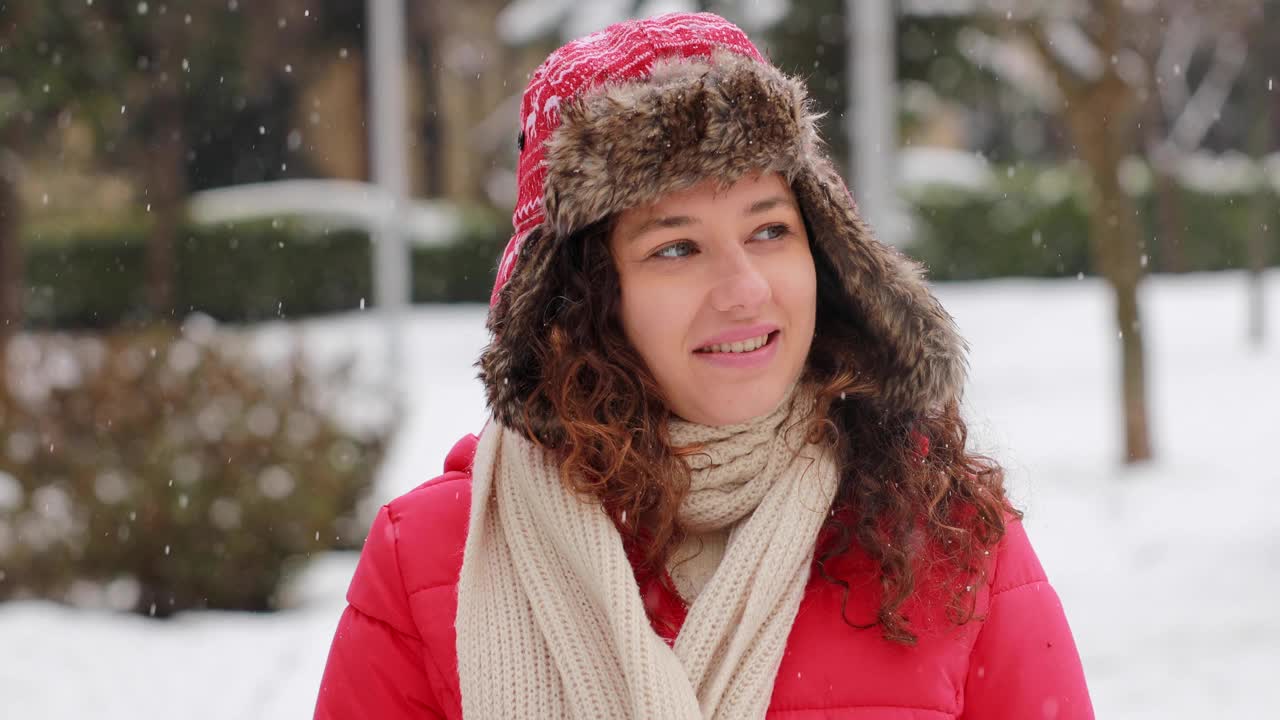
(873, 107)
(387, 143)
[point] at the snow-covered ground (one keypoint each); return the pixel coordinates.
(1170, 573)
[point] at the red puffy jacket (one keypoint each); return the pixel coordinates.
(393, 656)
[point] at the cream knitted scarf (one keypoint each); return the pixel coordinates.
(550, 620)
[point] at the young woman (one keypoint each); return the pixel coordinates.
(726, 474)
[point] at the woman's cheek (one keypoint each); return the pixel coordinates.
(669, 308)
(794, 279)
(650, 308)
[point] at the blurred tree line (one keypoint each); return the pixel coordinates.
(113, 113)
(170, 97)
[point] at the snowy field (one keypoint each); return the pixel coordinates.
(1170, 573)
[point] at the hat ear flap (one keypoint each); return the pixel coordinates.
(556, 282)
(919, 355)
(510, 366)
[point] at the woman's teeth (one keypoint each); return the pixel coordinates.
(738, 347)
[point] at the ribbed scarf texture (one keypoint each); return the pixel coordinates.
(550, 619)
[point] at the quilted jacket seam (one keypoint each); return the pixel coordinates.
(395, 545)
(436, 586)
(374, 617)
(437, 482)
(422, 643)
(997, 593)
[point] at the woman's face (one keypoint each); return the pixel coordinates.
(719, 294)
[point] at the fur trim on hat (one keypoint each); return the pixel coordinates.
(622, 145)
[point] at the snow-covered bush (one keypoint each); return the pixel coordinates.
(161, 470)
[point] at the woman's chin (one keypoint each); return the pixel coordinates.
(734, 406)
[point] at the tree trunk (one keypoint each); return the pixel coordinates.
(11, 252)
(1137, 435)
(1168, 202)
(1259, 231)
(426, 38)
(164, 161)
(166, 193)
(1117, 238)
(1165, 189)
(1261, 139)
(1101, 120)
(1103, 114)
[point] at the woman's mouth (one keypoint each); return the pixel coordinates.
(752, 353)
(749, 345)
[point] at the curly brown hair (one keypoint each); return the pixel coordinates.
(912, 499)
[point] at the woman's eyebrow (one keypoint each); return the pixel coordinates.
(675, 221)
(768, 204)
(669, 221)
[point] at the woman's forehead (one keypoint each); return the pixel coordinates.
(752, 193)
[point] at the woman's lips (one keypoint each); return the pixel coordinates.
(757, 358)
(740, 334)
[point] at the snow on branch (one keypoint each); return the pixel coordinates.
(1073, 49)
(1180, 43)
(1013, 62)
(1202, 110)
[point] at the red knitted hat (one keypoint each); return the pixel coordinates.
(643, 108)
(618, 53)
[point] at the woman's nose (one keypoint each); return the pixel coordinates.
(741, 285)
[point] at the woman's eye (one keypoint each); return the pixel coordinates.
(772, 232)
(675, 250)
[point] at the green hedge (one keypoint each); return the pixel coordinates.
(242, 273)
(1034, 223)
(969, 237)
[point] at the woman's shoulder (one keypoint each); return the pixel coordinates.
(441, 498)
(416, 541)
(431, 521)
(1016, 563)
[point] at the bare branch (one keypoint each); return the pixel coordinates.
(1068, 81)
(1180, 43)
(1012, 59)
(1205, 105)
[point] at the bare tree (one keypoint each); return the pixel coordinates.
(1106, 59)
(1085, 47)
